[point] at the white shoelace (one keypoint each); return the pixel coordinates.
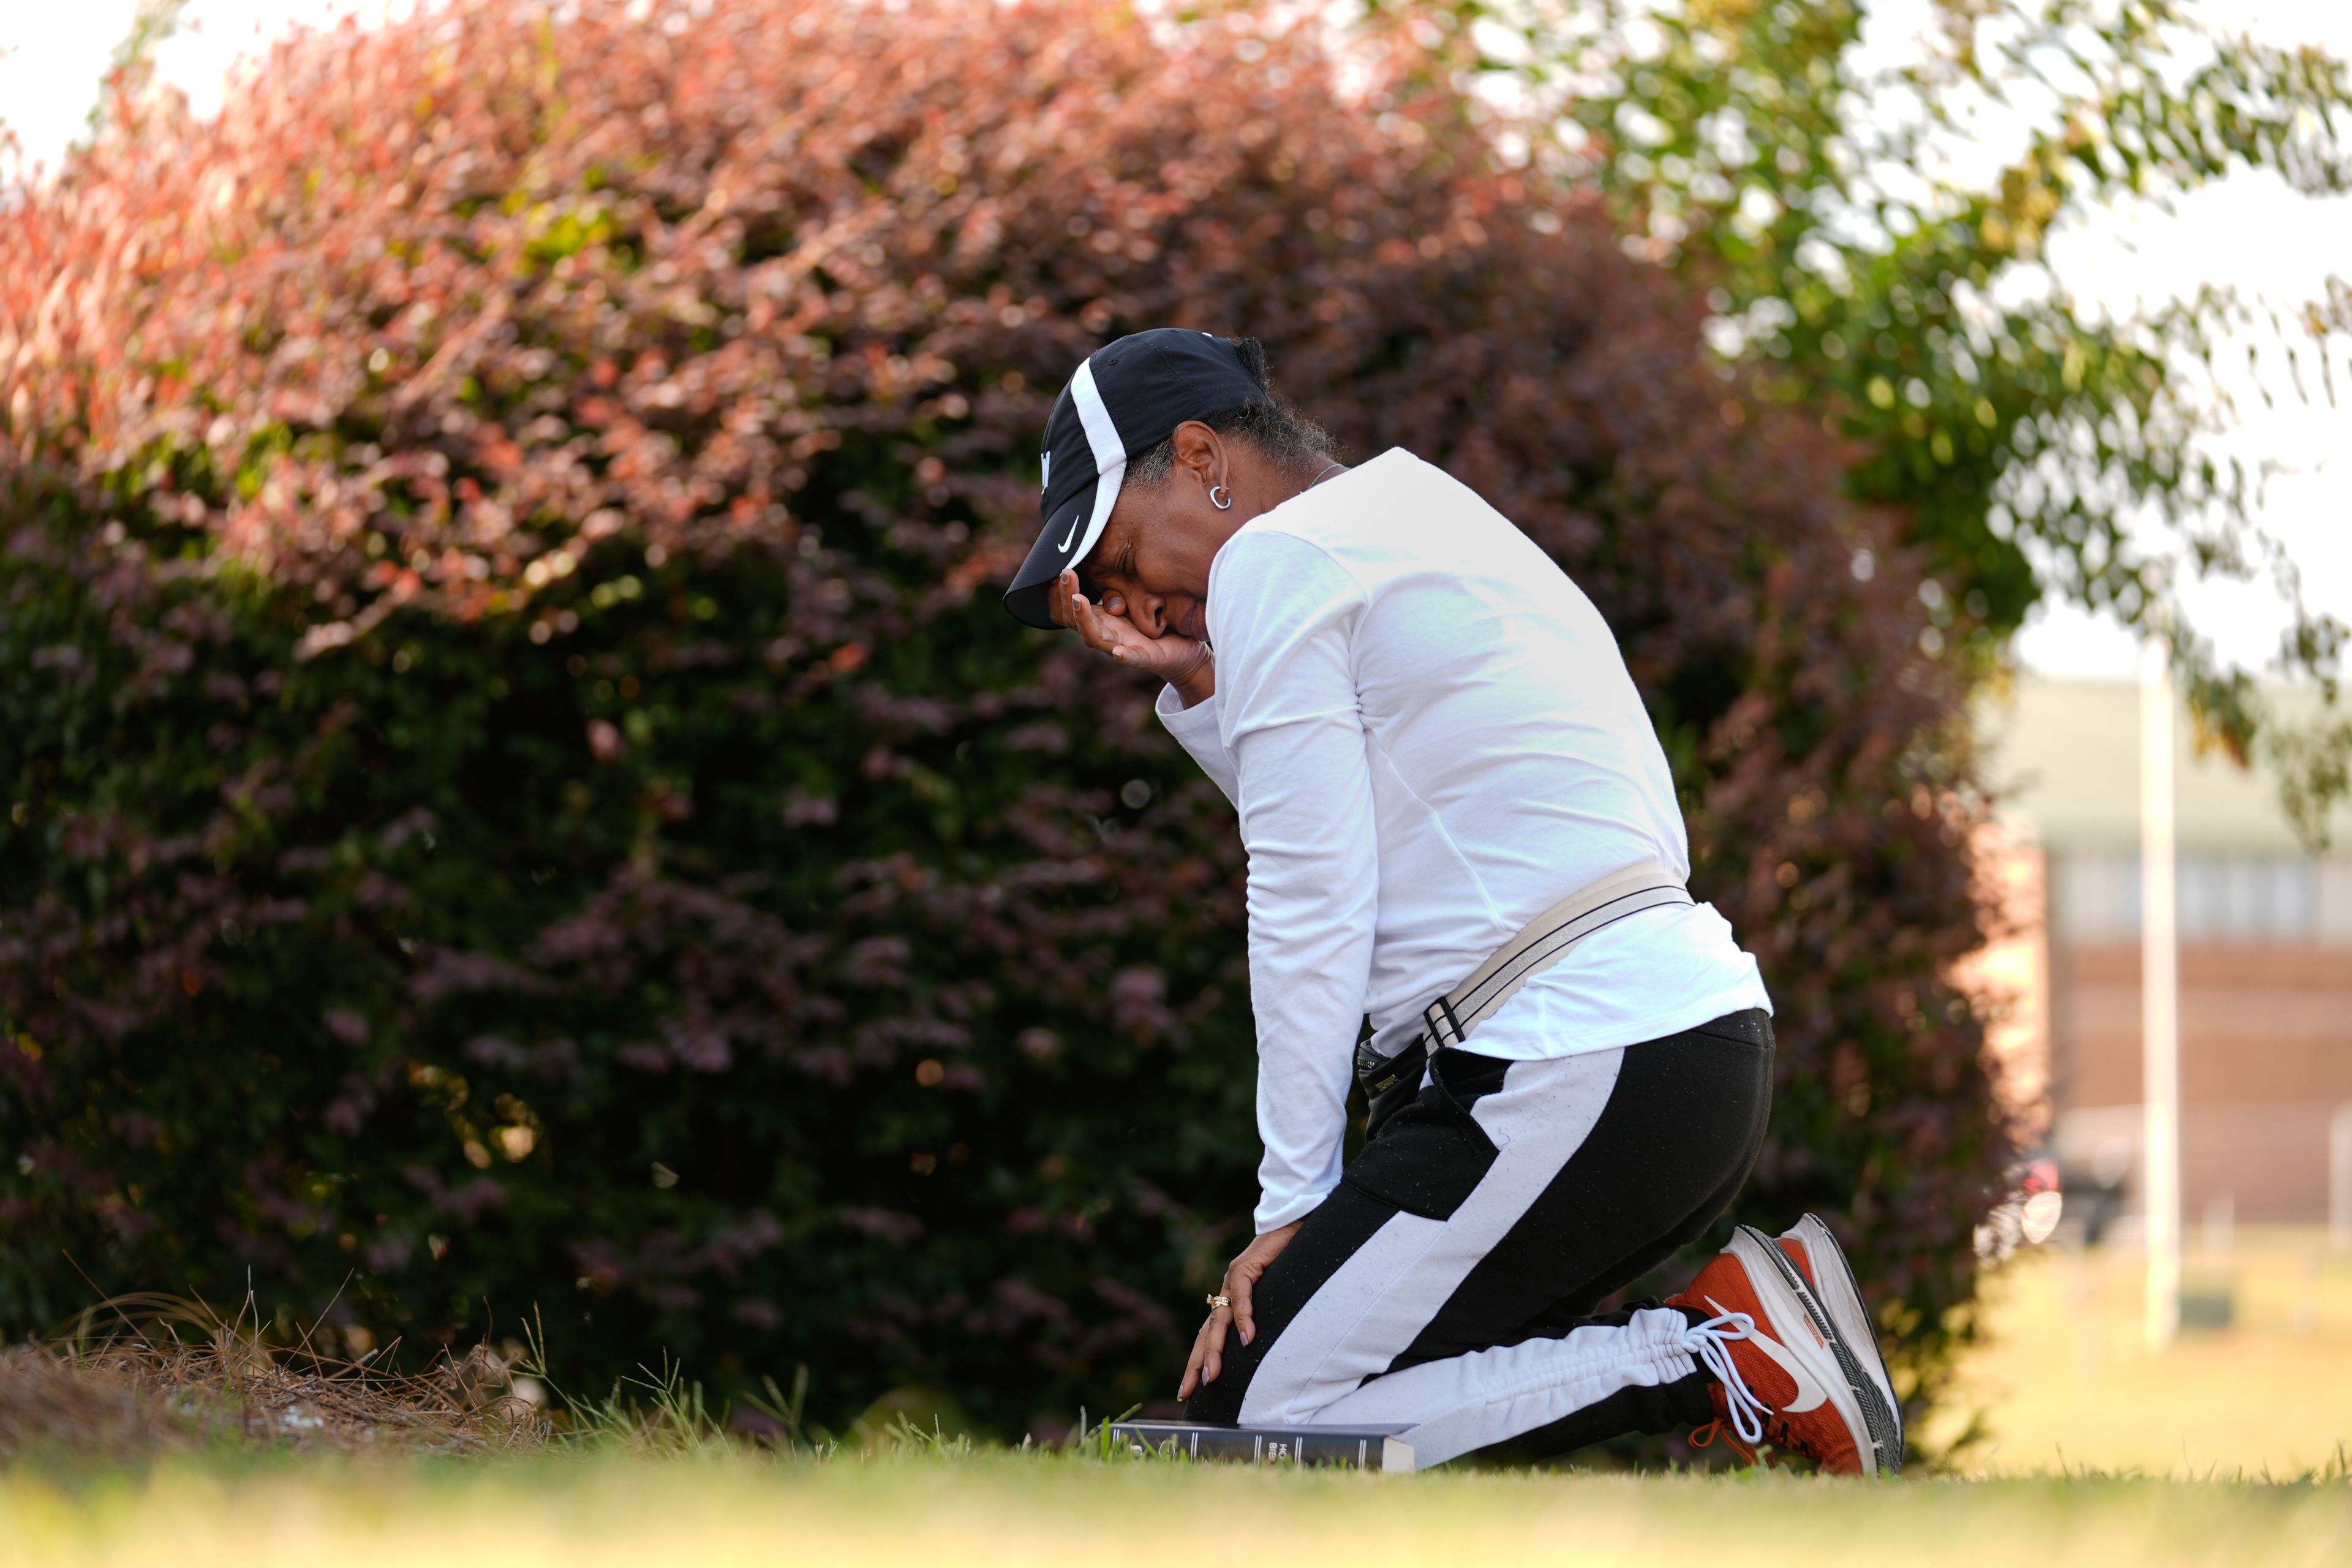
(1710, 1342)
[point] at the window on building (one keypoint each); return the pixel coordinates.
(2238, 899)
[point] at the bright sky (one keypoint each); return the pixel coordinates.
(2249, 232)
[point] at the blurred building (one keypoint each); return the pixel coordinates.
(2265, 962)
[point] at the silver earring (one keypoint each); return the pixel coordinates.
(1225, 505)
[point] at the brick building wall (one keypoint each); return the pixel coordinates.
(2265, 1065)
(2265, 928)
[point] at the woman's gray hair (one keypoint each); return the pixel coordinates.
(1285, 434)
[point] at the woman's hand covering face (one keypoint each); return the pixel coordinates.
(1182, 662)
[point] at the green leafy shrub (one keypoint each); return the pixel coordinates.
(524, 800)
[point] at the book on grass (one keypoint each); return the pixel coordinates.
(1354, 1447)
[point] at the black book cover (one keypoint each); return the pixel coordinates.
(1352, 1447)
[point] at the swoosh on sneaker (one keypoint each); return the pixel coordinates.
(1812, 1394)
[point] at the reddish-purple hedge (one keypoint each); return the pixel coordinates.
(522, 795)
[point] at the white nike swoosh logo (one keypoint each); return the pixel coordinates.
(1069, 536)
(1811, 1395)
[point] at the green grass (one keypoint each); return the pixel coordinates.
(1011, 1509)
(645, 1477)
(2127, 1458)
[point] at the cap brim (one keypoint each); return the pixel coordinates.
(1061, 545)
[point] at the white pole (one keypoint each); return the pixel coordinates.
(2159, 960)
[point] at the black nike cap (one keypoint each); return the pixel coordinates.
(1126, 398)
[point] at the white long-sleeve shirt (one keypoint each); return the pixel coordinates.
(1431, 738)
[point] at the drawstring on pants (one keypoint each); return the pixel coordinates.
(1709, 1342)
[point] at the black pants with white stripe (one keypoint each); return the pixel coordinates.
(1449, 1283)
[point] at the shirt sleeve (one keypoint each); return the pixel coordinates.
(1195, 729)
(1291, 723)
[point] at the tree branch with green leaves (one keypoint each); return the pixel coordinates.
(1872, 249)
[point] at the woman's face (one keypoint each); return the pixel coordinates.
(1152, 565)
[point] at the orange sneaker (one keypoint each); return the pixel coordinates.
(1779, 1363)
(1826, 1272)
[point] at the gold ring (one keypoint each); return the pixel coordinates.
(1220, 1300)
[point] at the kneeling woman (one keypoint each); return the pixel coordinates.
(1460, 822)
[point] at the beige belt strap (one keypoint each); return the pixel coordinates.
(1544, 941)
